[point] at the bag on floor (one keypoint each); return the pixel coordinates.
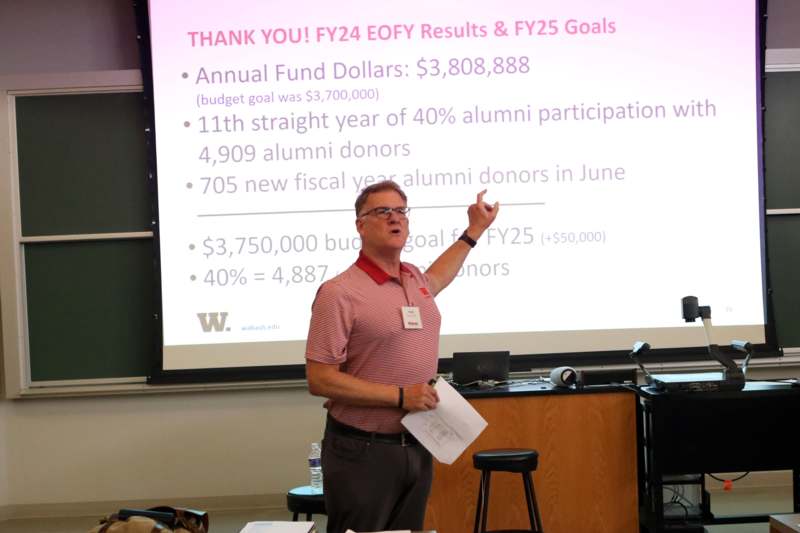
(154, 520)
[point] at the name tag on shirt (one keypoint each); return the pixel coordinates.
(412, 319)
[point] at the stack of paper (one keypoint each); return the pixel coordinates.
(450, 428)
(279, 527)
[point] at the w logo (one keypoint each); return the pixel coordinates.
(213, 321)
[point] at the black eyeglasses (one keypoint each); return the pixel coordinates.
(385, 212)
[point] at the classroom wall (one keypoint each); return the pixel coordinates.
(187, 445)
(38, 36)
(3, 434)
(4, 492)
(783, 24)
(159, 446)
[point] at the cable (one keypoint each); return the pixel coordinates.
(677, 496)
(731, 480)
(685, 509)
(632, 388)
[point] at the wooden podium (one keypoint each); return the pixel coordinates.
(586, 480)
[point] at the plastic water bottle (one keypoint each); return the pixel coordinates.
(315, 467)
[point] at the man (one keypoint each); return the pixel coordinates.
(373, 346)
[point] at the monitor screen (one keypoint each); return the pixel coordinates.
(472, 367)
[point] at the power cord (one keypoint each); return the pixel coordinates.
(677, 496)
(712, 476)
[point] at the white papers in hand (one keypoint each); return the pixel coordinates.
(447, 430)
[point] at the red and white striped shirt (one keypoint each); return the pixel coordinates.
(356, 323)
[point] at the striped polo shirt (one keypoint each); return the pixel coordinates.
(356, 323)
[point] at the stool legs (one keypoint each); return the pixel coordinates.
(533, 507)
(482, 507)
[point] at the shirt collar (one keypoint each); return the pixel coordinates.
(374, 271)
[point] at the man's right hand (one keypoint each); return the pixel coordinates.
(420, 397)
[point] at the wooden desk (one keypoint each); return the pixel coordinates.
(784, 523)
(586, 480)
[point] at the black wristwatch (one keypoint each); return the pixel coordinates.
(467, 239)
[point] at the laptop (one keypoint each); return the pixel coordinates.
(471, 368)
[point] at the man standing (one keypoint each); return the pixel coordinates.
(373, 346)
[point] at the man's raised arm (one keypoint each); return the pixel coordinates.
(444, 269)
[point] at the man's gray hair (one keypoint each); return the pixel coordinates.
(385, 185)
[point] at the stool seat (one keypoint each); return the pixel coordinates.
(305, 500)
(506, 460)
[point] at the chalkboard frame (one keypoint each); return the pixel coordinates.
(16, 344)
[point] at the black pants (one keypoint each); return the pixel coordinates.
(374, 486)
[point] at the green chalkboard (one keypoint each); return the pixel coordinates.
(82, 164)
(90, 309)
(783, 242)
(782, 140)
(82, 170)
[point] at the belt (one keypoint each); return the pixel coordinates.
(403, 438)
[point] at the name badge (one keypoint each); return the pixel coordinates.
(411, 317)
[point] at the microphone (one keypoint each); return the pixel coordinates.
(744, 347)
(563, 376)
(741, 346)
(640, 347)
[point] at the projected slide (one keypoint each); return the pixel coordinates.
(620, 139)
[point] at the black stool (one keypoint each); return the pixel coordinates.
(508, 460)
(305, 500)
